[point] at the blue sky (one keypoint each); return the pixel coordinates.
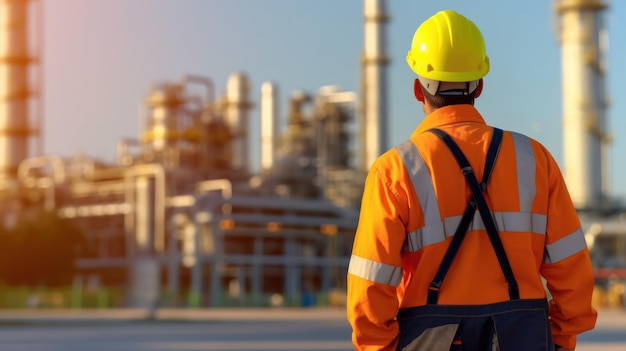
(100, 57)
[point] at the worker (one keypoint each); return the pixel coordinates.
(499, 192)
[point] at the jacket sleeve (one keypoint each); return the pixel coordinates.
(566, 252)
(375, 267)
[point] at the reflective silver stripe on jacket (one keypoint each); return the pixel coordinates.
(525, 171)
(565, 247)
(436, 229)
(423, 185)
(375, 271)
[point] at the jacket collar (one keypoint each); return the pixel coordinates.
(449, 115)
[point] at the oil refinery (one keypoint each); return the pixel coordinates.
(181, 214)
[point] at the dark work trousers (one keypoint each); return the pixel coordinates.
(516, 325)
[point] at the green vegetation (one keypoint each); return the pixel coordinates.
(59, 297)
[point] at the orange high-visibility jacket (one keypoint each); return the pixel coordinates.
(414, 197)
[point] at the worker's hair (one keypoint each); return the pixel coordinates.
(439, 101)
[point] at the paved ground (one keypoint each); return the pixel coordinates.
(228, 330)
(609, 334)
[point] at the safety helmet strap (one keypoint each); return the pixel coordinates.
(432, 86)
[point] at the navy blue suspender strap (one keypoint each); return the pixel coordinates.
(477, 200)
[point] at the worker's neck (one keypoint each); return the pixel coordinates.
(428, 108)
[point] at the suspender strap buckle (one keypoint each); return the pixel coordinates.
(467, 170)
(434, 286)
(433, 293)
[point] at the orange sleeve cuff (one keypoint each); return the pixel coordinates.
(565, 341)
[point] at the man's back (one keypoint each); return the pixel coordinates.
(526, 195)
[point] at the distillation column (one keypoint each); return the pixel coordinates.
(374, 105)
(269, 124)
(237, 111)
(16, 92)
(583, 41)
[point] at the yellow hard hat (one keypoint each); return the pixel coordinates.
(448, 47)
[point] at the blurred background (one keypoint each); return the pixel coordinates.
(160, 153)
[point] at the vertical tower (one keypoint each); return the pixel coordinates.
(18, 95)
(269, 124)
(237, 111)
(583, 41)
(164, 109)
(374, 100)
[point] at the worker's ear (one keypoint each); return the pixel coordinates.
(479, 89)
(417, 90)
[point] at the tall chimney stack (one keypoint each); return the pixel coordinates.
(269, 124)
(583, 41)
(374, 99)
(16, 84)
